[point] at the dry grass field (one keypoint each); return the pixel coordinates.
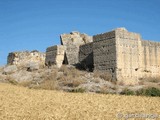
(20, 103)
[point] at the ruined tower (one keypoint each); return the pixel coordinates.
(125, 55)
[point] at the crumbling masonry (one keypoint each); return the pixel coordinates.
(123, 54)
(55, 55)
(69, 49)
(26, 57)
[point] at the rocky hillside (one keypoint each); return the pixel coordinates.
(70, 79)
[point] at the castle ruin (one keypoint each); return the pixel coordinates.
(25, 57)
(125, 55)
(69, 49)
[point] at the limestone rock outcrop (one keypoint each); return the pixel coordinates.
(10, 69)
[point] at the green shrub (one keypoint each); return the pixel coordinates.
(151, 91)
(78, 90)
(140, 92)
(127, 92)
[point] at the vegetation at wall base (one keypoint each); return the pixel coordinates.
(150, 91)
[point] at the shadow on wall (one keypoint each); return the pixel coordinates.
(65, 61)
(86, 64)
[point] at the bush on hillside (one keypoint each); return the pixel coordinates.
(127, 91)
(151, 91)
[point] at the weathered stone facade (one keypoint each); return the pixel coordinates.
(26, 57)
(128, 47)
(72, 42)
(150, 59)
(125, 55)
(68, 52)
(86, 56)
(104, 52)
(55, 55)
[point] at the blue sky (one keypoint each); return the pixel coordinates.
(37, 24)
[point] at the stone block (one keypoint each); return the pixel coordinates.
(72, 42)
(55, 55)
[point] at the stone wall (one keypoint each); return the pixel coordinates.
(126, 55)
(151, 59)
(86, 56)
(104, 53)
(136, 58)
(104, 36)
(72, 42)
(123, 54)
(25, 57)
(55, 55)
(128, 46)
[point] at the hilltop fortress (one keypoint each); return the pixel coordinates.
(125, 55)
